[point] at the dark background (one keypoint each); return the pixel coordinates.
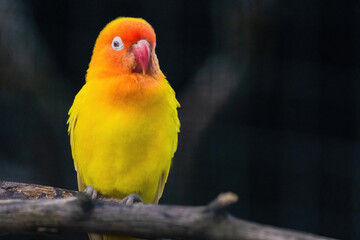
(270, 98)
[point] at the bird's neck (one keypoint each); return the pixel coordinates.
(131, 88)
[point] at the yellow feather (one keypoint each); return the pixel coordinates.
(123, 125)
(126, 148)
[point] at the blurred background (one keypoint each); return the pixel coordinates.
(270, 97)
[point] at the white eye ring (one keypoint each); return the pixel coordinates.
(117, 44)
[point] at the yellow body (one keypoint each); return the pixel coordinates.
(124, 146)
(123, 125)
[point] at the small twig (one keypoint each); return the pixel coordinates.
(56, 210)
(223, 201)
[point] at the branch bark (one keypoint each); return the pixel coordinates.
(54, 210)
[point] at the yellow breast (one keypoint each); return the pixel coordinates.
(124, 144)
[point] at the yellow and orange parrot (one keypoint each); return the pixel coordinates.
(123, 124)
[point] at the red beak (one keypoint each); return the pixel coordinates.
(141, 51)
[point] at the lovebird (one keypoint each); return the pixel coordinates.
(123, 123)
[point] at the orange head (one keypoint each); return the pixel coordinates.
(125, 46)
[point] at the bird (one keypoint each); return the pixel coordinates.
(123, 123)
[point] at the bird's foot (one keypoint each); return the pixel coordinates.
(131, 199)
(90, 191)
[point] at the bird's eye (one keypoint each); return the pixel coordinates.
(117, 44)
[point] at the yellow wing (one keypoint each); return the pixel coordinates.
(163, 179)
(73, 116)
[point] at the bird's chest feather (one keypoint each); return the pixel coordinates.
(124, 149)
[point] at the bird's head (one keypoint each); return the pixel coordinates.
(125, 46)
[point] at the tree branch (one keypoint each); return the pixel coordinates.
(54, 210)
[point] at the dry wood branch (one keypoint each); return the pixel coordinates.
(55, 210)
